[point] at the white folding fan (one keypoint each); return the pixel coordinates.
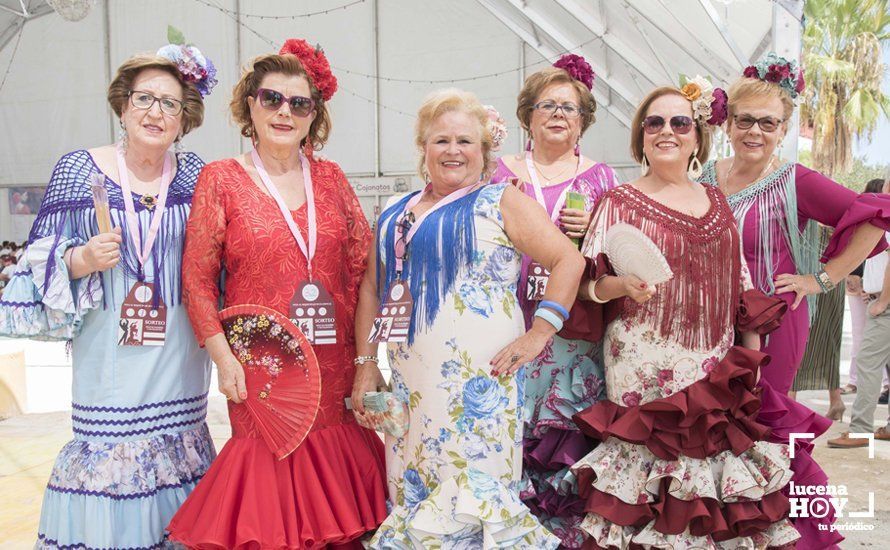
(631, 252)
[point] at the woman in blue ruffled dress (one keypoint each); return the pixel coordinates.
(139, 385)
(556, 106)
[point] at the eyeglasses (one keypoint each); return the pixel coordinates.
(270, 99)
(767, 124)
(569, 110)
(679, 124)
(145, 101)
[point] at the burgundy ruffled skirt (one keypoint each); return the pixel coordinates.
(692, 469)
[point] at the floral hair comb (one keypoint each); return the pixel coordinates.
(578, 68)
(192, 64)
(708, 102)
(778, 70)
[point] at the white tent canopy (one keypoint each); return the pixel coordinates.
(387, 55)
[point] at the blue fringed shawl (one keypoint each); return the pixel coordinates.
(67, 212)
(443, 245)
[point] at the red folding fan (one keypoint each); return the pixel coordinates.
(280, 371)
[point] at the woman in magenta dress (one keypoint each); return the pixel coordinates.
(776, 205)
(556, 106)
(331, 490)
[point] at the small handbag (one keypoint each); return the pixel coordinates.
(384, 412)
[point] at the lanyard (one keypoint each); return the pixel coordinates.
(405, 238)
(142, 253)
(539, 193)
(308, 251)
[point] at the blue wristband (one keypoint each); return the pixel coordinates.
(555, 307)
(550, 317)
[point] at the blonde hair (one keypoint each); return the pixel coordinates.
(447, 101)
(746, 88)
(251, 78)
(122, 84)
(535, 85)
(636, 126)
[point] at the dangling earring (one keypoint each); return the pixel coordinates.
(644, 166)
(178, 148)
(695, 168)
(122, 137)
(528, 145)
(578, 148)
(779, 148)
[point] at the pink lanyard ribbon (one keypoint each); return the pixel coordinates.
(539, 193)
(308, 251)
(405, 239)
(143, 252)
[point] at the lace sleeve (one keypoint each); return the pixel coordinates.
(203, 256)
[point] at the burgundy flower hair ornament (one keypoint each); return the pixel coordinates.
(788, 75)
(708, 102)
(578, 68)
(315, 63)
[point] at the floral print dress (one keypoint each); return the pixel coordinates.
(566, 378)
(454, 477)
(683, 462)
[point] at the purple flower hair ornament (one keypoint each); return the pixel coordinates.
(192, 64)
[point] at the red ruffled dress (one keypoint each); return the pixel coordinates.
(684, 462)
(332, 489)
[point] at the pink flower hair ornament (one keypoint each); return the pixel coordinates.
(496, 127)
(578, 68)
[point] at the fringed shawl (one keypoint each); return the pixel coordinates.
(444, 245)
(67, 212)
(774, 202)
(697, 307)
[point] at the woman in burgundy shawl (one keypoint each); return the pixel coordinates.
(684, 462)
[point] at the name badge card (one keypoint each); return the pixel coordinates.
(312, 310)
(142, 324)
(536, 282)
(394, 319)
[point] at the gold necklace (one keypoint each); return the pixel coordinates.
(538, 168)
(763, 172)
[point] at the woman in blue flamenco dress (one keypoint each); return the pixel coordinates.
(140, 438)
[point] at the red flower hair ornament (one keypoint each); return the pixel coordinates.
(315, 63)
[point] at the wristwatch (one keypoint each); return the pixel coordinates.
(824, 280)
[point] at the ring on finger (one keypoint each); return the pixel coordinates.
(514, 358)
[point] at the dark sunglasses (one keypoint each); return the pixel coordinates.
(270, 99)
(679, 124)
(767, 124)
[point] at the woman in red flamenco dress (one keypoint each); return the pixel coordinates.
(331, 490)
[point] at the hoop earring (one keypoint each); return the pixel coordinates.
(644, 166)
(695, 168)
(122, 137)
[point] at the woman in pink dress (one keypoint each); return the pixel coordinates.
(776, 206)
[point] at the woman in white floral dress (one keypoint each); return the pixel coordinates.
(454, 476)
(683, 462)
